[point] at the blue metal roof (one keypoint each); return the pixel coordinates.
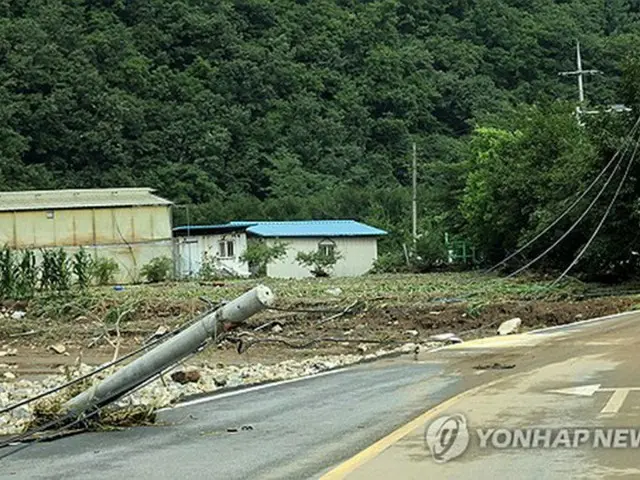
(310, 228)
(304, 228)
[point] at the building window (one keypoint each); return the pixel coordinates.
(327, 249)
(226, 250)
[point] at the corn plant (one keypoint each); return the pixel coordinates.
(26, 275)
(56, 272)
(7, 273)
(83, 268)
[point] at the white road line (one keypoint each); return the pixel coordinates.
(616, 400)
(233, 393)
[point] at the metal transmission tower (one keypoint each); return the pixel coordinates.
(580, 73)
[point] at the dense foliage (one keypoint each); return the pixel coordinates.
(290, 109)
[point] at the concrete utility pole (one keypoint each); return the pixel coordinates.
(168, 353)
(414, 211)
(580, 73)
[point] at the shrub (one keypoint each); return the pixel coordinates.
(391, 262)
(158, 269)
(104, 270)
(319, 263)
(259, 254)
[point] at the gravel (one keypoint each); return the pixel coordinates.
(164, 392)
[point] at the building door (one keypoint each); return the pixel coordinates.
(189, 257)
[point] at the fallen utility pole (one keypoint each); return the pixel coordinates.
(168, 353)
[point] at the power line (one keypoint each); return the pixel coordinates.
(604, 217)
(569, 209)
(577, 222)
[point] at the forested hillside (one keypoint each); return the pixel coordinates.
(290, 109)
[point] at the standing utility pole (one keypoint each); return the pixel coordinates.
(580, 73)
(414, 211)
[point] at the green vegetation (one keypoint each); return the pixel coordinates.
(55, 268)
(104, 270)
(319, 262)
(259, 254)
(158, 269)
(272, 109)
(22, 275)
(82, 268)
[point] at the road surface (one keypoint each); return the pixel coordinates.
(328, 425)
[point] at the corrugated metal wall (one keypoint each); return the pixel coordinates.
(131, 235)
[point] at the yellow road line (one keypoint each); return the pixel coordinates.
(369, 453)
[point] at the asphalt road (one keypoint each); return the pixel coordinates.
(298, 430)
(356, 423)
(577, 378)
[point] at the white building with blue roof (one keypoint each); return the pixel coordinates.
(224, 244)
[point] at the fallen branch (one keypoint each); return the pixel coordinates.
(25, 334)
(344, 312)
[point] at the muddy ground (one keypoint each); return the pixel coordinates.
(93, 335)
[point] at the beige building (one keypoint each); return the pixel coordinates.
(130, 225)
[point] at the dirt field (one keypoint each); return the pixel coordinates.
(369, 312)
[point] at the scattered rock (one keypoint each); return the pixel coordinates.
(185, 376)
(435, 313)
(9, 376)
(21, 413)
(442, 337)
(362, 348)
(409, 348)
(579, 316)
(336, 292)
(162, 330)
(58, 348)
(18, 315)
(509, 326)
(276, 328)
(413, 333)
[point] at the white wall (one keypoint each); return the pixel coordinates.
(358, 256)
(191, 250)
